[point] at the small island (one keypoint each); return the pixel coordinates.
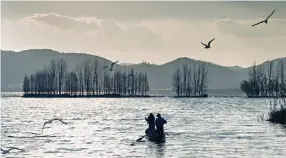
(89, 79)
(266, 82)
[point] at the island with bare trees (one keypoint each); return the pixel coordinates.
(88, 79)
(190, 81)
(267, 81)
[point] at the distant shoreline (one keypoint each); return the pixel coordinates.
(103, 96)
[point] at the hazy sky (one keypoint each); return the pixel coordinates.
(156, 32)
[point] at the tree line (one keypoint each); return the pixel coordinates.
(267, 81)
(190, 80)
(88, 78)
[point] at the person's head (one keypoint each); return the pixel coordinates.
(159, 115)
(151, 115)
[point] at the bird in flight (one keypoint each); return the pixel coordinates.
(10, 148)
(209, 44)
(111, 67)
(132, 72)
(264, 21)
(50, 121)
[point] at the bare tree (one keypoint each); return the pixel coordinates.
(185, 71)
(270, 79)
(282, 78)
(177, 81)
(203, 83)
(26, 85)
(62, 68)
(189, 81)
(79, 71)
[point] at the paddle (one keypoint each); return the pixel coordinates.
(139, 139)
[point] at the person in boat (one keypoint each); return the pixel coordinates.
(160, 124)
(151, 122)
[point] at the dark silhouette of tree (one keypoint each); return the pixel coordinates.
(79, 71)
(26, 85)
(62, 68)
(87, 76)
(203, 83)
(177, 81)
(263, 83)
(245, 87)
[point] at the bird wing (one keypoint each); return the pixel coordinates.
(11, 148)
(270, 14)
(63, 122)
(210, 41)
(114, 63)
(204, 44)
(57, 119)
(45, 125)
(258, 23)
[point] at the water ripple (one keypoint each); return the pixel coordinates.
(98, 127)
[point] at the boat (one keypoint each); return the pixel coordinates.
(153, 136)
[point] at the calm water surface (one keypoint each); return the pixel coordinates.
(208, 127)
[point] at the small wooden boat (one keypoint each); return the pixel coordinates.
(155, 137)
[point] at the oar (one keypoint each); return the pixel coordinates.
(139, 139)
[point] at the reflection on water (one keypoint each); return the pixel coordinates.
(206, 127)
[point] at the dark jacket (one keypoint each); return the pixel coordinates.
(160, 122)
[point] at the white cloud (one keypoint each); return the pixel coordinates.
(66, 22)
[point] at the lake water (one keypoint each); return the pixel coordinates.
(197, 127)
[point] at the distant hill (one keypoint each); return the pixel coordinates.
(235, 67)
(14, 65)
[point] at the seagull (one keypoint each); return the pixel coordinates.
(111, 67)
(10, 148)
(132, 72)
(209, 44)
(50, 121)
(266, 20)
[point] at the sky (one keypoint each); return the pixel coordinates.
(156, 32)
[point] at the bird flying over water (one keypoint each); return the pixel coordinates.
(50, 121)
(10, 148)
(264, 21)
(111, 67)
(209, 44)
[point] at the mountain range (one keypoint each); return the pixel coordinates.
(14, 65)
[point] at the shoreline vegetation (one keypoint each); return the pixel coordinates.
(266, 82)
(277, 112)
(65, 95)
(104, 96)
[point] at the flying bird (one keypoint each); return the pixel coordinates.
(50, 121)
(209, 44)
(264, 21)
(10, 148)
(111, 67)
(132, 72)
